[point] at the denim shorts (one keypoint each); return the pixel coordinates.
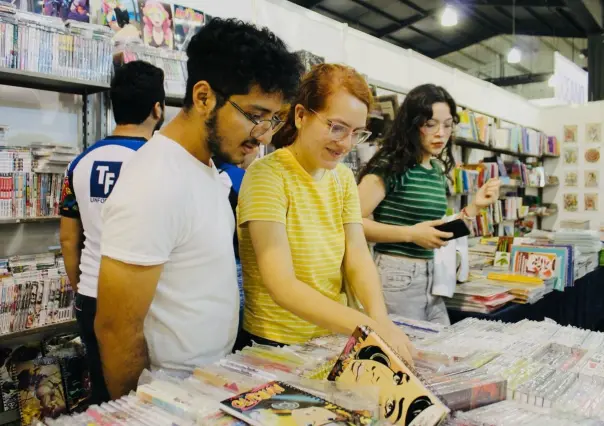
(407, 287)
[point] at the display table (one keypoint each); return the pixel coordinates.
(580, 306)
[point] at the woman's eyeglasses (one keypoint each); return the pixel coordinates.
(431, 127)
(338, 132)
(260, 126)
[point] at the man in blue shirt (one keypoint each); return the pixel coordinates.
(138, 102)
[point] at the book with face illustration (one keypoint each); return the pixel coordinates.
(279, 404)
(404, 399)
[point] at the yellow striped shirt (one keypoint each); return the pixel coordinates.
(276, 188)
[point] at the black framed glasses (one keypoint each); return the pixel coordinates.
(338, 132)
(260, 126)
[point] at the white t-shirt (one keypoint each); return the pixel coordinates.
(169, 208)
(89, 180)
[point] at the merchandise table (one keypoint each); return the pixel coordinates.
(580, 306)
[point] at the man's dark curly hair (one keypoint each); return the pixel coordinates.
(401, 148)
(232, 56)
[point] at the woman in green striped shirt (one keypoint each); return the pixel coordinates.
(403, 197)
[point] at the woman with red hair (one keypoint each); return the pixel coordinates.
(300, 224)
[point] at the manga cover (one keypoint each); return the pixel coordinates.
(77, 382)
(187, 22)
(40, 387)
(157, 24)
(279, 404)
(404, 399)
(76, 10)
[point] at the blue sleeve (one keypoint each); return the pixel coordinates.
(236, 174)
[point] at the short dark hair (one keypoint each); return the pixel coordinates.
(135, 88)
(232, 56)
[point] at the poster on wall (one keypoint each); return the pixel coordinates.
(592, 178)
(591, 202)
(592, 155)
(570, 156)
(157, 24)
(76, 10)
(593, 132)
(570, 202)
(187, 22)
(113, 14)
(570, 133)
(570, 179)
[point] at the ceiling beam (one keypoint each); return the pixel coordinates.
(365, 28)
(309, 4)
(518, 3)
(375, 10)
(584, 16)
(391, 29)
(567, 16)
(519, 79)
(446, 44)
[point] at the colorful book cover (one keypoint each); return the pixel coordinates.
(545, 262)
(404, 399)
(277, 403)
(187, 22)
(77, 382)
(75, 10)
(40, 387)
(157, 24)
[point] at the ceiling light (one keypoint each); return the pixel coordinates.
(514, 55)
(552, 81)
(449, 17)
(582, 55)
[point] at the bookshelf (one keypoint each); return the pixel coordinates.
(41, 81)
(17, 220)
(39, 332)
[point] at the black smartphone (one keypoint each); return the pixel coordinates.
(458, 227)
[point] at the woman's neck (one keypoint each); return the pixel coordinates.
(315, 172)
(426, 157)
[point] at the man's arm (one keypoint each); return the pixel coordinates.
(125, 295)
(72, 238)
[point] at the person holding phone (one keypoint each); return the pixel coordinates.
(403, 200)
(300, 224)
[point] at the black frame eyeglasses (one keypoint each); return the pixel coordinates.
(260, 126)
(338, 132)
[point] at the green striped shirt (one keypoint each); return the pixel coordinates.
(417, 196)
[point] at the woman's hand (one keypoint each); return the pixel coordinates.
(487, 194)
(397, 339)
(425, 234)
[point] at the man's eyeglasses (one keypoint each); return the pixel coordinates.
(432, 126)
(338, 132)
(260, 126)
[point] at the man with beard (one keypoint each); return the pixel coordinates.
(137, 98)
(168, 294)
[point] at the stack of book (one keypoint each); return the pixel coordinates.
(475, 127)
(25, 193)
(173, 62)
(44, 44)
(35, 292)
(479, 297)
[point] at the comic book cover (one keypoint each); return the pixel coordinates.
(187, 22)
(404, 399)
(77, 382)
(279, 404)
(75, 10)
(157, 24)
(40, 387)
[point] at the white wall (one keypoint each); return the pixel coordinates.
(553, 121)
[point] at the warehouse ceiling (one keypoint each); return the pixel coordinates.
(414, 24)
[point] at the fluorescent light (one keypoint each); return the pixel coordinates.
(449, 17)
(552, 81)
(581, 55)
(514, 55)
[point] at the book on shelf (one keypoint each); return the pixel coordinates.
(35, 293)
(31, 180)
(404, 398)
(45, 44)
(172, 62)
